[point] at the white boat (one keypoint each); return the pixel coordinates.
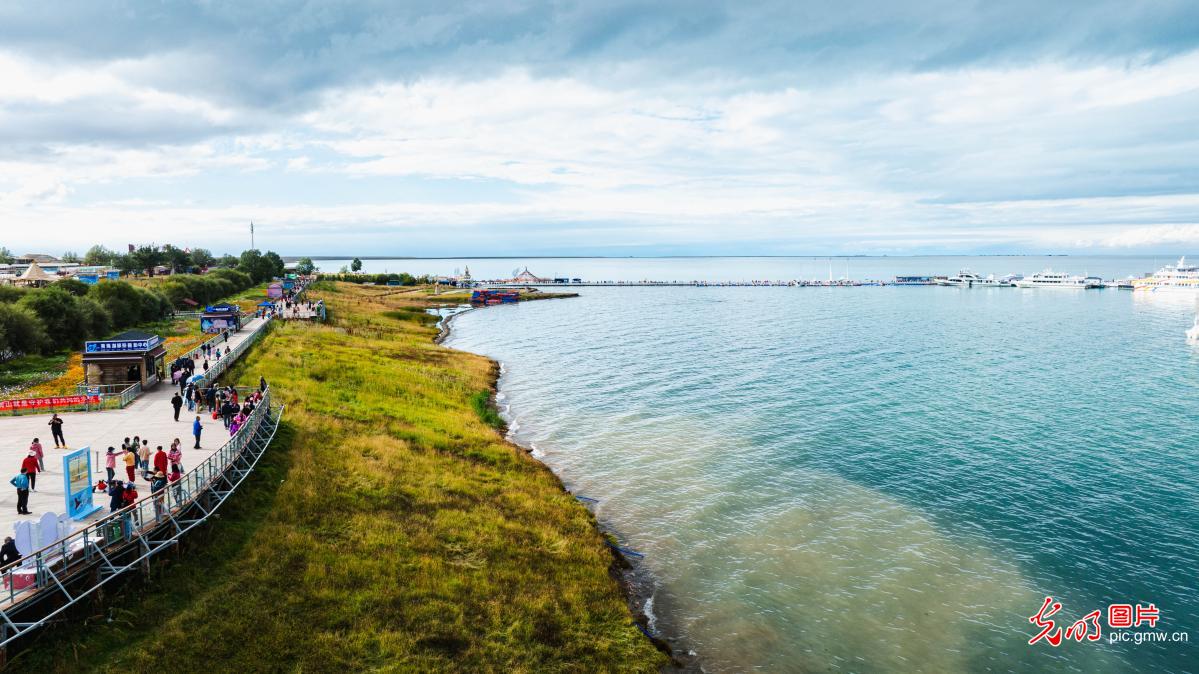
(1193, 332)
(1053, 279)
(1181, 277)
(968, 279)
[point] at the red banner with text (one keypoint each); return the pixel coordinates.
(55, 401)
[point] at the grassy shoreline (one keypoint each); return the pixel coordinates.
(399, 531)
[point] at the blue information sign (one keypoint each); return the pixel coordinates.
(77, 473)
(120, 345)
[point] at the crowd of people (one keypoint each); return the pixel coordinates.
(159, 467)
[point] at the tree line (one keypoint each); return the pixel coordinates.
(66, 313)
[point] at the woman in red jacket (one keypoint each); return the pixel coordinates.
(30, 465)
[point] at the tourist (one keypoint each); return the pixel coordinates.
(175, 456)
(160, 461)
(8, 552)
(56, 431)
(129, 497)
(116, 493)
(227, 412)
(143, 455)
(189, 396)
(157, 487)
(196, 430)
(177, 403)
(262, 384)
(235, 424)
(29, 465)
(36, 448)
(110, 462)
(21, 482)
(130, 463)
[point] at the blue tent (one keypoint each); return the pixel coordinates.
(266, 303)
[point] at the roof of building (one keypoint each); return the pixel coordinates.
(36, 273)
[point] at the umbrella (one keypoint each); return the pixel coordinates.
(195, 378)
(267, 303)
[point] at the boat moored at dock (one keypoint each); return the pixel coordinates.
(1181, 277)
(1053, 279)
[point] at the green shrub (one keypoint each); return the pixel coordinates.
(21, 331)
(59, 312)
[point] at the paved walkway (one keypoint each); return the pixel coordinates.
(149, 416)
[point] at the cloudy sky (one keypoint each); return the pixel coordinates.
(510, 127)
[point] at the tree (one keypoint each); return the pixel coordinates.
(356, 265)
(147, 258)
(72, 285)
(228, 261)
(277, 266)
(21, 331)
(202, 258)
(177, 259)
(70, 256)
(59, 313)
(5, 255)
(305, 267)
(125, 263)
(98, 256)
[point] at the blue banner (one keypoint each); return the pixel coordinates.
(118, 345)
(77, 474)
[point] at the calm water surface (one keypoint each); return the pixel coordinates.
(875, 479)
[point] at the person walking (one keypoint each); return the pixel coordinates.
(177, 403)
(36, 448)
(21, 482)
(8, 552)
(110, 462)
(190, 397)
(130, 463)
(262, 384)
(196, 430)
(29, 466)
(175, 456)
(56, 430)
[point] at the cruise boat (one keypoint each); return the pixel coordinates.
(968, 279)
(1053, 279)
(963, 279)
(1181, 277)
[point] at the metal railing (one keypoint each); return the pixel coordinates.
(128, 537)
(216, 369)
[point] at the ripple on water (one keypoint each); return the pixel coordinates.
(873, 479)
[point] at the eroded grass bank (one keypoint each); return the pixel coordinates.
(398, 531)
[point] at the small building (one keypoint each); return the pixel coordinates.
(220, 317)
(130, 357)
(35, 276)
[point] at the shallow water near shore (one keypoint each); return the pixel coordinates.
(874, 479)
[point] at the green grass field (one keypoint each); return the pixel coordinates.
(389, 528)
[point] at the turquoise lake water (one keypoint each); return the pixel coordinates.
(876, 479)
